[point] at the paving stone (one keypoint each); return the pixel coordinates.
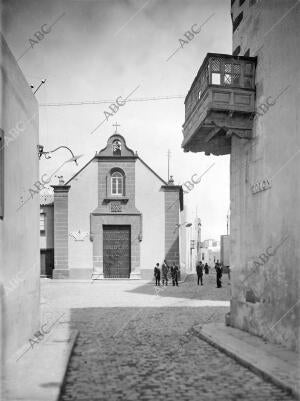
(149, 353)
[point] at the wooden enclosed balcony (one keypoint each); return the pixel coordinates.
(219, 104)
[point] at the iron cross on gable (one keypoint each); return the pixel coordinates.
(116, 125)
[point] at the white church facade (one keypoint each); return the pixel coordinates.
(116, 218)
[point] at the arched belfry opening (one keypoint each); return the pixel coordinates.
(116, 147)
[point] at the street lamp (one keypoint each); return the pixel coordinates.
(48, 153)
(43, 81)
(40, 150)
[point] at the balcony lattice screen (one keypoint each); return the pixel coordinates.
(221, 71)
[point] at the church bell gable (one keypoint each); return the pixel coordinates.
(116, 147)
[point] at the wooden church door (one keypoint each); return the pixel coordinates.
(116, 251)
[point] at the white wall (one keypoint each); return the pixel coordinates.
(150, 202)
(83, 199)
(19, 229)
(183, 246)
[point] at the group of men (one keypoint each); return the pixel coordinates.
(200, 267)
(165, 269)
(174, 270)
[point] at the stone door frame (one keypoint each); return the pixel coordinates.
(98, 220)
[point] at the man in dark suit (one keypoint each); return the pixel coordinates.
(164, 271)
(157, 274)
(199, 269)
(218, 268)
(174, 274)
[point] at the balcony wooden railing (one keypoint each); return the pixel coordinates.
(220, 70)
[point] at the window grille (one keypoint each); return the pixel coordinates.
(115, 207)
(215, 66)
(232, 74)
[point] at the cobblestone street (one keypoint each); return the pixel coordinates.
(151, 352)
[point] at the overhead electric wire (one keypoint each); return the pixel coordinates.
(110, 101)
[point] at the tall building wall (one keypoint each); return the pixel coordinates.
(19, 224)
(172, 224)
(264, 178)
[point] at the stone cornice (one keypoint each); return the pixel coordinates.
(115, 159)
(171, 188)
(61, 188)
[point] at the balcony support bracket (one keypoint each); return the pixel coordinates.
(243, 134)
(214, 132)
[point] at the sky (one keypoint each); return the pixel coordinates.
(103, 49)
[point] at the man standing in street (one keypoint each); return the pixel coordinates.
(164, 271)
(174, 274)
(157, 274)
(199, 269)
(218, 268)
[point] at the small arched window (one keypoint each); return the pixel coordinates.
(117, 183)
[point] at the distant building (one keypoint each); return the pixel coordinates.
(183, 242)
(193, 233)
(19, 221)
(209, 252)
(197, 241)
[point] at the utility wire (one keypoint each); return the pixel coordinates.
(109, 101)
